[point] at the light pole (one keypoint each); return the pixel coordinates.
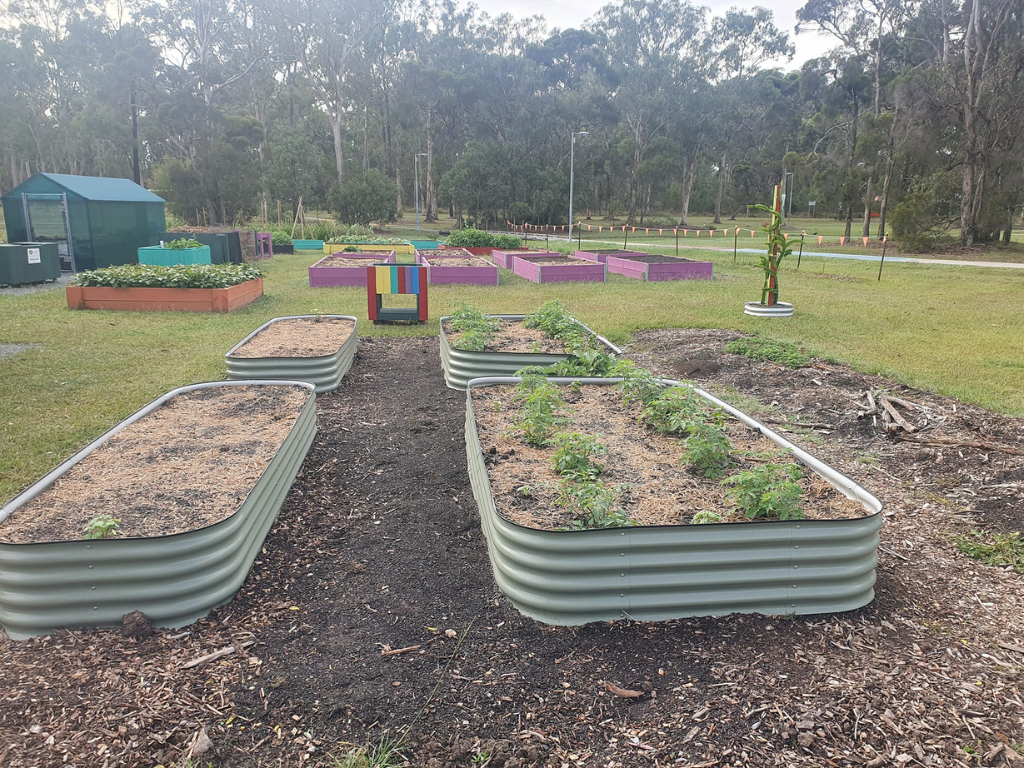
(416, 160)
(789, 190)
(572, 157)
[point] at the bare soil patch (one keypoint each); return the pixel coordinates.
(660, 491)
(345, 261)
(552, 260)
(189, 464)
(455, 261)
(298, 337)
(442, 253)
(378, 549)
(648, 258)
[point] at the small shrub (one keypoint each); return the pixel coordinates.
(574, 458)
(182, 243)
(591, 363)
(769, 491)
(706, 516)
(593, 504)
(102, 527)
(707, 450)
(281, 239)
(674, 410)
(177, 276)
(506, 242)
(780, 352)
(540, 411)
(638, 385)
(469, 238)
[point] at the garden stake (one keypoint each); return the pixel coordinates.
(580, 236)
(625, 237)
(801, 254)
(677, 242)
(735, 242)
(885, 243)
(778, 248)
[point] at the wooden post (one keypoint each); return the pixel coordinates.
(735, 243)
(625, 237)
(677, 241)
(885, 244)
(579, 235)
(801, 254)
(279, 213)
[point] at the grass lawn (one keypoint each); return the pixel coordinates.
(958, 331)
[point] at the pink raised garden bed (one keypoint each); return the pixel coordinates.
(552, 267)
(345, 269)
(653, 268)
(475, 250)
(457, 265)
(603, 254)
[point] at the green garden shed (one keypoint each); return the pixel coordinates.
(95, 221)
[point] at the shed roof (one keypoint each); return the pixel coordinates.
(100, 188)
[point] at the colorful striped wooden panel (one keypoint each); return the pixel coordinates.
(396, 279)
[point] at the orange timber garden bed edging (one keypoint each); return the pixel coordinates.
(165, 299)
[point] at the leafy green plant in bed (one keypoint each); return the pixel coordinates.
(674, 410)
(638, 384)
(707, 449)
(281, 239)
(102, 527)
(769, 492)
(706, 516)
(476, 329)
(182, 243)
(1003, 549)
(540, 412)
(780, 352)
(592, 363)
(574, 458)
(593, 504)
(177, 276)
(558, 323)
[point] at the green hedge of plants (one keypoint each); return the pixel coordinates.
(178, 276)
(475, 238)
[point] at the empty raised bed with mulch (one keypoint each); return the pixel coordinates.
(556, 268)
(193, 482)
(654, 562)
(319, 349)
(456, 266)
(345, 269)
(656, 268)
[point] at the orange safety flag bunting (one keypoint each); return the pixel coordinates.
(866, 241)
(821, 239)
(842, 241)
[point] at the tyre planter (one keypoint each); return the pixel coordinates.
(165, 299)
(658, 573)
(638, 267)
(173, 579)
(781, 309)
(308, 245)
(405, 248)
(461, 365)
(160, 256)
(332, 272)
(558, 269)
(324, 372)
(448, 267)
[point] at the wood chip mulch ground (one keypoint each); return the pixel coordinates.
(372, 608)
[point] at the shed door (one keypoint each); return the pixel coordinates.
(46, 218)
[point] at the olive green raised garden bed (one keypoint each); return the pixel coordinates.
(655, 573)
(323, 371)
(461, 365)
(173, 579)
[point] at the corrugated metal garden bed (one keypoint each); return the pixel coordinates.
(166, 564)
(323, 369)
(461, 365)
(676, 567)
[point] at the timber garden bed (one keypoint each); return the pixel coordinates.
(345, 269)
(552, 267)
(456, 266)
(162, 514)
(318, 349)
(656, 268)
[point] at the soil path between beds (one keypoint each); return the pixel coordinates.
(378, 549)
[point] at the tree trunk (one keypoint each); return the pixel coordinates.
(849, 221)
(869, 199)
(431, 193)
(136, 170)
(889, 166)
(721, 186)
(1008, 229)
(339, 152)
(398, 169)
(691, 164)
(366, 140)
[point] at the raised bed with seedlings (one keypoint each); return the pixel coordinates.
(552, 267)
(345, 269)
(648, 499)
(184, 288)
(314, 348)
(456, 266)
(474, 344)
(163, 514)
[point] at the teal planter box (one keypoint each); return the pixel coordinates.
(26, 263)
(308, 245)
(168, 257)
(424, 245)
(219, 242)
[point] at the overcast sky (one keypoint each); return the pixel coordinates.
(571, 13)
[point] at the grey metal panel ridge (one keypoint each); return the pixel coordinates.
(461, 365)
(172, 579)
(324, 372)
(664, 572)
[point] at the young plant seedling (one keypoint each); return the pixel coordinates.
(768, 492)
(574, 458)
(593, 504)
(706, 516)
(706, 449)
(540, 410)
(675, 409)
(102, 527)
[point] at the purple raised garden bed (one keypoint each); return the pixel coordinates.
(653, 269)
(603, 254)
(457, 266)
(559, 269)
(345, 269)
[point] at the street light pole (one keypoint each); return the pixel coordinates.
(572, 157)
(416, 160)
